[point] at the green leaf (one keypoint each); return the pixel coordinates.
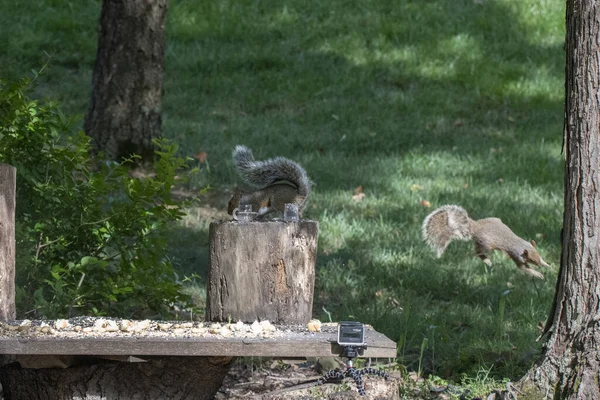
(85, 260)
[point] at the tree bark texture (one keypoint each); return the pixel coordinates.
(197, 378)
(124, 114)
(8, 180)
(262, 271)
(570, 363)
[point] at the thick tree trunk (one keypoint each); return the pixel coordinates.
(8, 179)
(570, 364)
(197, 378)
(262, 271)
(124, 112)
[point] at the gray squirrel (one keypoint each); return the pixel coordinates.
(276, 181)
(452, 222)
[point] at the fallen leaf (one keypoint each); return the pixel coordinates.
(358, 194)
(201, 156)
(425, 203)
(358, 197)
(458, 123)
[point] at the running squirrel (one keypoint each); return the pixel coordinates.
(277, 181)
(452, 222)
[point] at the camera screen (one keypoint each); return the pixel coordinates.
(351, 333)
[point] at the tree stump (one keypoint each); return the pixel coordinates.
(262, 271)
(8, 179)
(197, 378)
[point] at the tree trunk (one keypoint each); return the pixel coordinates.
(8, 179)
(570, 362)
(124, 112)
(262, 271)
(197, 378)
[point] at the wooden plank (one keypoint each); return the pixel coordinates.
(320, 344)
(262, 271)
(8, 179)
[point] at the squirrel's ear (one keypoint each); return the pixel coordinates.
(533, 243)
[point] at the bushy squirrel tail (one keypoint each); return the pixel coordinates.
(266, 172)
(444, 225)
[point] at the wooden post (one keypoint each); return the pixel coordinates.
(262, 271)
(8, 179)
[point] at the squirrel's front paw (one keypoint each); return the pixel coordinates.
(532, 272)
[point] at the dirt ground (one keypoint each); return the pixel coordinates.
(297, 380)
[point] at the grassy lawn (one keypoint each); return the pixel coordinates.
(423, 103)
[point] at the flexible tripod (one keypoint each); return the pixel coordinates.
(337, 375)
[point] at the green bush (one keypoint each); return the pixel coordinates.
(90, 238)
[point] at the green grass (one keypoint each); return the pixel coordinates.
(448, 101)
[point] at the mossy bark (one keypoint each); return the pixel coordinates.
(570, 364)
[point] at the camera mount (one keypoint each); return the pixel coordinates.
(351, 339)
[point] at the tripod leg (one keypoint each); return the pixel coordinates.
(333, 375)
(356, 375)
(373, 371)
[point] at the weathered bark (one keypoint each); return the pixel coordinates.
(8, 179)
(160, 378)
(262, 271)
(124, 114)
(570, 362)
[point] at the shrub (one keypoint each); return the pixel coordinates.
(90, 238)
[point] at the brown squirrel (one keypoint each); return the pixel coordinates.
(452, 222)
(277, 181)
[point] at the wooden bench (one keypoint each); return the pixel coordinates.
(294, 343)
(258, 271)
